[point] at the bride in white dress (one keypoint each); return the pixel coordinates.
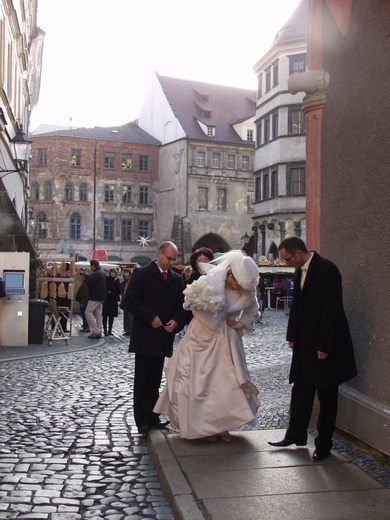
(208, 389)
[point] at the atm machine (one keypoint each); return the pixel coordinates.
(14, 307)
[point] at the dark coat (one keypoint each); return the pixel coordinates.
(317, 322)
(110, 305)
(148, 296)
(96, 283)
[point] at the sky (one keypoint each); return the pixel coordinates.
(99, 55)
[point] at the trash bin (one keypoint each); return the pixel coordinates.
(36, 321)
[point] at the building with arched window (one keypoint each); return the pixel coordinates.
(99, 190)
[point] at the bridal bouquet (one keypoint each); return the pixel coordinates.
(200, 296)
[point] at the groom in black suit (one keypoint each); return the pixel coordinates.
(155, 299)
(319, 336)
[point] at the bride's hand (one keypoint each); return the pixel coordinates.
(231, 323)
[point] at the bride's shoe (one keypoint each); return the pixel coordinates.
(211, 438)
(226, 437)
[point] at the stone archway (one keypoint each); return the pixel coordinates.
(214, 242)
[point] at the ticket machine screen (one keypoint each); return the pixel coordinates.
(14, 282)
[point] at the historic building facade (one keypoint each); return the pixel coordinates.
(280, 156)
(206, 186)
(21, 44)
(94, 188)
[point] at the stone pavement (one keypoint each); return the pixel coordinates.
(69, 448)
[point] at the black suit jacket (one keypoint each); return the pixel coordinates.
(317, 322)
(148, 296)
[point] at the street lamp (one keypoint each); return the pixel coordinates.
(21, 147)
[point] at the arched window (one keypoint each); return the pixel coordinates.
(42, 225)
(69, 191)
(48, 194)
(83, 192)
(35, 191)
(75, 226)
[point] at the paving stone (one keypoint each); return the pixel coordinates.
(70, 447)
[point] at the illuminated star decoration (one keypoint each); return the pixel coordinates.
(143, 241)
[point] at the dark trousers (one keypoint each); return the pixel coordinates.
(147, 380)
(110, 320)
(301, 407)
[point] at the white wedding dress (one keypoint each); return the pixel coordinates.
(208, 389)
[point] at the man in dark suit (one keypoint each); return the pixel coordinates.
(319, 336)
(155, 299)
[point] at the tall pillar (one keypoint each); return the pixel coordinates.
(313, 108)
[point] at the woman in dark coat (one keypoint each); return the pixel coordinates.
(110, 305)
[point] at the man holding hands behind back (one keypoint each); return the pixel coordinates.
(155, 298)
(319, 336)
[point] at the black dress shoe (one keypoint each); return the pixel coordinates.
(144, 429)
(160, 425)
(320, 455)
(286, 442)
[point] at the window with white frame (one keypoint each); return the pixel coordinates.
(249, 135)
(231, 162)
(297, 63)
(296, 181)
(245, 163)
(216, 160)
(200, 159)
(296, 121)
(109, 192)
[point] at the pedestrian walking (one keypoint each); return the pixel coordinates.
(82, 299)
(155, 298)
(127, 316)
(208, 389)
(110, 305)
(96, 283)
(319, 336)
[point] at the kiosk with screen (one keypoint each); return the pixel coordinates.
(14, 282)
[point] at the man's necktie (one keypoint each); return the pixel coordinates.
(303, 275)
(164, 274)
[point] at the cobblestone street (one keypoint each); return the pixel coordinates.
(69, 448)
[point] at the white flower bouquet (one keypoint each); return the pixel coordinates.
(200, 296)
